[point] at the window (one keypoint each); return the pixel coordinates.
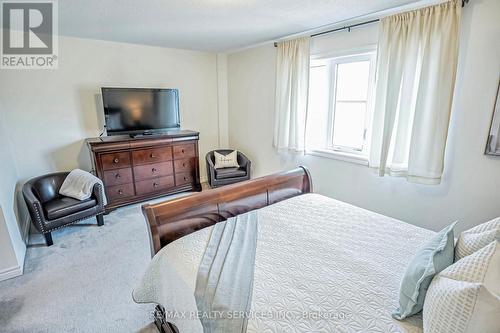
(340, 103)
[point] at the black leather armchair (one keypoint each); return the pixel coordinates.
(226, 176)
(50, 211)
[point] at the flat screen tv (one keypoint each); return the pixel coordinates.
(136, 111)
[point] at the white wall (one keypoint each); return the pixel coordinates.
(470, 189)
(46, 115)
(12, 247)
(222, 99)
(53, 111)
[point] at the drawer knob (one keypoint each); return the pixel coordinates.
(116, 160)
(183, 164)
(182, 150)
(117, 175)
(185, 178)
(120, 192)
(153, 170)
(152, 155)
(155, 185)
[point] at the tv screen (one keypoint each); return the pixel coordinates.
(140, 111)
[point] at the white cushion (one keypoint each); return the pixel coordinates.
(465, 297)
(226, 161)
(476, 238)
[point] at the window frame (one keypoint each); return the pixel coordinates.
(331, 60)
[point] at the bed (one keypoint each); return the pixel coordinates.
(319, 265)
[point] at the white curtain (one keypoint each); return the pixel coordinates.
(292, 85)
(416, 67)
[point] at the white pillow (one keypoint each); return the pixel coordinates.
(465, 297)
(226, 161)
(476, 238)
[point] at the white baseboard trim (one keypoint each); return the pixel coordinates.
(9, 273)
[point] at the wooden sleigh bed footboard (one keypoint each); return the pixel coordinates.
(176, 218)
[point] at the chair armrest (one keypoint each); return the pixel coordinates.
(209, 161)
(35, 207)
(210, 167)
(98, 193)
(247, 167)
(245, 161)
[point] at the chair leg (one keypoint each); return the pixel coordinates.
(48, 239)
(100, 220)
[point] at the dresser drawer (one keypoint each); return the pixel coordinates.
(116, 160)
(118, 176)
(184, 151)
(148, 171)
(183, 178)
(117, 192)
(154, 185)
(152, 155)
(185, 165)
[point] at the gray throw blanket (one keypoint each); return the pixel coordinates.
(224, 282)
(79, 184)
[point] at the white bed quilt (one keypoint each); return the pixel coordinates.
(321, 266)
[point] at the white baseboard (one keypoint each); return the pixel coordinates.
(11, 272)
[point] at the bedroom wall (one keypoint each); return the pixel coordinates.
(12, 247)
(470, 188)
(222, 99)
(53, 111)
(49, 113)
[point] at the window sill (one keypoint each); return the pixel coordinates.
(338, 155)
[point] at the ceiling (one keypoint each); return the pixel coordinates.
(209, 25)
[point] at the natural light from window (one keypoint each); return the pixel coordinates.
(339, 110)
(351, 95)
(317, 115)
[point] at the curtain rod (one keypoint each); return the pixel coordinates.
(349, 27)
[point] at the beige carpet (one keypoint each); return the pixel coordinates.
(83, 283)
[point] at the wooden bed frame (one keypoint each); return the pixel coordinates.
(176, 218)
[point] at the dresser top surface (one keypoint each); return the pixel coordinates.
(137, 139)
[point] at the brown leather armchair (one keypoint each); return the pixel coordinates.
(50, 211)
(226, 176)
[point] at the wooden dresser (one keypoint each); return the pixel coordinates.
(145, 167)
